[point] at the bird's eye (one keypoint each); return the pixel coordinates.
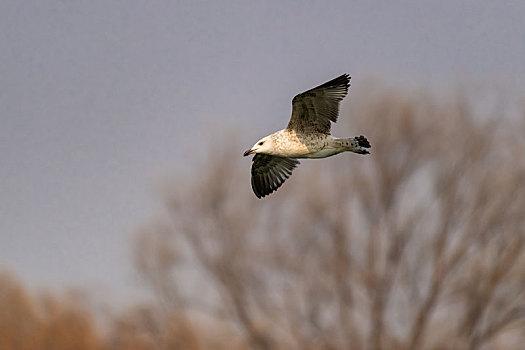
(261, 143)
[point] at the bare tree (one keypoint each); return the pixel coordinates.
(419, 246)
(45, 322)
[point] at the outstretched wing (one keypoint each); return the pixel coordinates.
(269, 173)
(313, 110)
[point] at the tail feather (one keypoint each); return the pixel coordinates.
(360, 145)
(362, 141)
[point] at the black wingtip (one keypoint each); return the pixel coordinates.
(343, 79)
(269, 173)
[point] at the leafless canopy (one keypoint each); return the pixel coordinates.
(420, 246)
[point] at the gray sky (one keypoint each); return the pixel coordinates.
(100, 99)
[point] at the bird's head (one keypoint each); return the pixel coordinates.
(264, 145)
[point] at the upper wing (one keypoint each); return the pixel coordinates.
(313, 110)
(269, 173)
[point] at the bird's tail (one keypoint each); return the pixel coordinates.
(359, 144)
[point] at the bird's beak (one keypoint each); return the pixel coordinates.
(248, 152)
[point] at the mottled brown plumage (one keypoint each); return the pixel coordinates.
(306, 136)
(313, 110)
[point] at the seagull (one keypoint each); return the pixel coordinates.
(306, 136)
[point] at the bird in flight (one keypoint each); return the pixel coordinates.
(306, 136)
